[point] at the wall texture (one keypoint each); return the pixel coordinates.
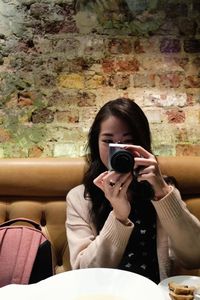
(60, 60)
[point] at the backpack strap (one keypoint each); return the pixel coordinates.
(27, 252)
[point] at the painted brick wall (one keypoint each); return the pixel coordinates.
(61, 60)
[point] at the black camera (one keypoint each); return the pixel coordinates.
(120, 159)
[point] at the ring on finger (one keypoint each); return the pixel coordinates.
(112, 183)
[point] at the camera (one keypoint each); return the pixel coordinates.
(120, 160)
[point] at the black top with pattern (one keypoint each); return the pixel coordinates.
(141, 252)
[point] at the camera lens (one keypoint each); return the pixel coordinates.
(122, 161)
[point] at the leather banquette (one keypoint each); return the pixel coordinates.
(36, 188)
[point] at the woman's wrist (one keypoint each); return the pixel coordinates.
(164, 192)
(125, 222)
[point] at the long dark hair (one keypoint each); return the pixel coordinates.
(129, 112)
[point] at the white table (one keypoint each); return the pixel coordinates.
(87, 284)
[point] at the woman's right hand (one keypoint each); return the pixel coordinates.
(115, 187)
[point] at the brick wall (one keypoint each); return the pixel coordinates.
(61, 60)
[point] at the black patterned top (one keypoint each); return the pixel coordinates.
(140, 255)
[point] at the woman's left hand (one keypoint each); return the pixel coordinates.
(115, 187)
(147, 168)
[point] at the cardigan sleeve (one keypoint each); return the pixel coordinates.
(87, 249)
(182, 227)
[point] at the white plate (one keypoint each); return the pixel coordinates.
(87, 284)
(187, 280)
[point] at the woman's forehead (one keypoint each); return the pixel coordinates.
(114, 125)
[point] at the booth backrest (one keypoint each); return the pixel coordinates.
(36, 188)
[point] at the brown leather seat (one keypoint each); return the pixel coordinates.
(37, 188)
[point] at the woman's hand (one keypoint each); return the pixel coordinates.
(147, 168)
(115, 187)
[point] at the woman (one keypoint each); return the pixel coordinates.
(134, 221)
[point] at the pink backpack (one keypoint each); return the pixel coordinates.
(25, 253)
